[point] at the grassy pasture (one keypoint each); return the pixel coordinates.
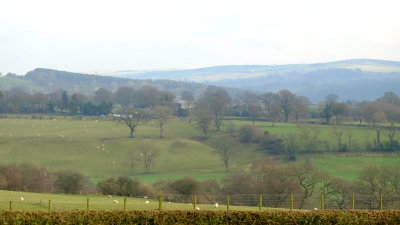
(101, 148)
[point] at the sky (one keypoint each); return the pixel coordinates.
(86, 35)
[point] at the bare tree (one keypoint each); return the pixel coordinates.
(134, 157)
(336, 190)
(349, 133)
(338, 132)
(274, 113)
(188, 97)
(132, 118)
(309, 136)
(225, 148)
(217, 101)
(203, 117)
(300, 109)
(307, 178)
(286, 102)
(231, 129)
(148, 153)
(163, 115)
(255, 111)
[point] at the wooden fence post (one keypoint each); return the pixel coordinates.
(260, 203)
(194, 201)
(291, 202)
(49, 205)
(87, 204)
(380, 202)
(124, 203)
(352, 202)
(322, 201)
(160, 201)
(228, 202)
(10, 207)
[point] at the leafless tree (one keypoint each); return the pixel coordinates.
(132, 118)
(163, 115)
(148, 153)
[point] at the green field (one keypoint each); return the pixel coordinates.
(100, 149)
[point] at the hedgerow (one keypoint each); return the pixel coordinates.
(88, 217)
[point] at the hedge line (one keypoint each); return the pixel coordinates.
(200, 217)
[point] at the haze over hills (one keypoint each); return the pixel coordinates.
(356, 79)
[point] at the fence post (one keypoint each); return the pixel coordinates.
(380, 202)
(124, 203)
(228, 201)
(194, 201)
(322, 201)
(87, 204)
(260, 206)
(291, 202)
(160, 201)
(10, 207)
(352, 202)
(49, 205)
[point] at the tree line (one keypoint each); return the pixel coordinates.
(265, 177)
(137, 106)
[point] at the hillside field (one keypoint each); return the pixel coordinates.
(101, 148)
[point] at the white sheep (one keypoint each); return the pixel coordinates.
(147, 202)
(115, 201)
(22, 198)
(216, 205)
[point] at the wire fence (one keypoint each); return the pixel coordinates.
(46, 202)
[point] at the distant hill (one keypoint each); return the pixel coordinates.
(358, 79)
(48, 80)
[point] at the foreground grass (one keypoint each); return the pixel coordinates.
(38, 201)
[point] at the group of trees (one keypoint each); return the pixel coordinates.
(269, 178)
(18, 101)
(28, 177)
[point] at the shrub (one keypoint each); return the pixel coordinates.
(70, 182)
(201, 217)
(123, 186)
(248, 133)
(186, 186)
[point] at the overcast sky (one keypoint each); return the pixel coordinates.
(85, 35)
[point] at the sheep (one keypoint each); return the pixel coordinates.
(216, 205)
(115, 201)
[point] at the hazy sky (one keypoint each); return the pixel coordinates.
(87, 35)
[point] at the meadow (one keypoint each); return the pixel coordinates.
(101, 148)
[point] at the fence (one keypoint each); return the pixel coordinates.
(43, 202)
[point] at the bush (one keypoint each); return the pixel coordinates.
(248, 133)
(272, 143)
(186, 186)
(70, 182)
(201, 217)
(123, 186)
